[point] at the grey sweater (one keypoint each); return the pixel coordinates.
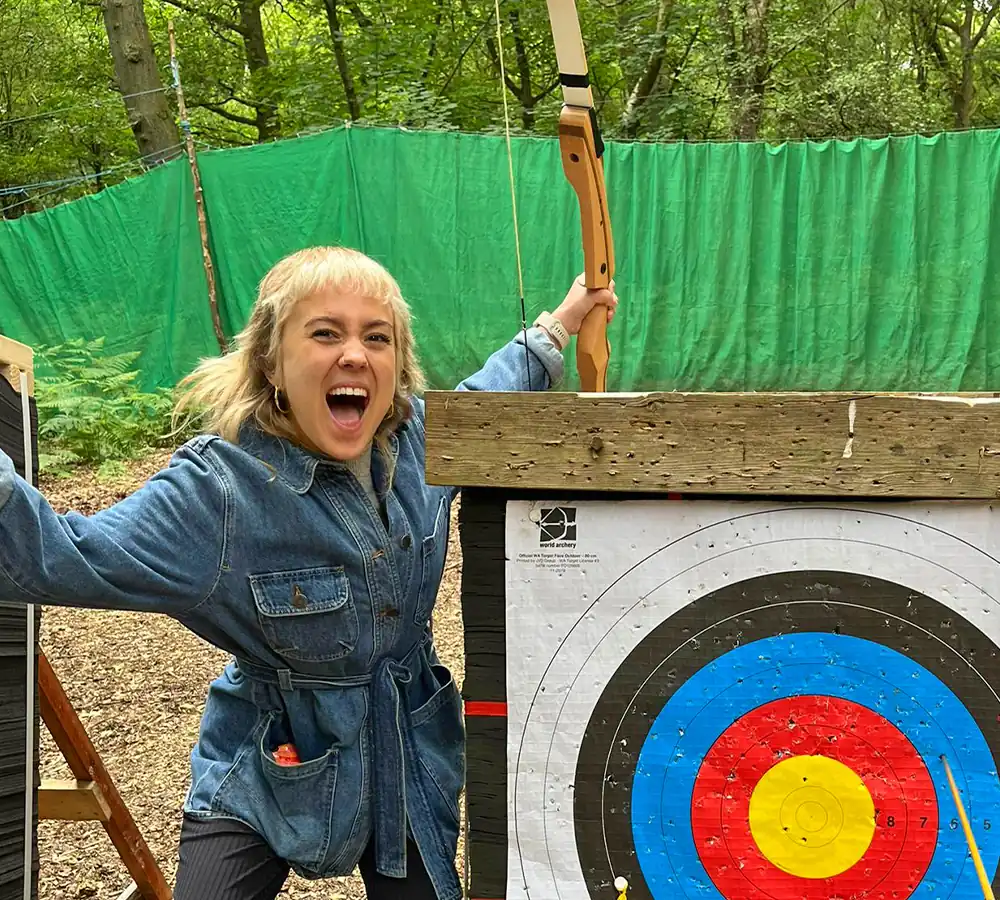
(361, 468)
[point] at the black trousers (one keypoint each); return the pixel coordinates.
(222, 859)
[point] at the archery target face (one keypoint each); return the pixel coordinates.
(751, 701)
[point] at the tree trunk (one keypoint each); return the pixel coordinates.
(252, 31)
(918, 53)
(139, 80)
(432, 49)
(966, 91)
(647, 81)
(523, 72)
(961, 83)
(337, 36)
(746, 56)
(522, 87)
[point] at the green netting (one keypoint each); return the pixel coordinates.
(863, 265)
(124, 264)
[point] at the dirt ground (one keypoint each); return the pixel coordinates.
(138, 683)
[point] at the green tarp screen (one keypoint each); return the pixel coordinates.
(862, 265)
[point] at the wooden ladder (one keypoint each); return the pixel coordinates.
(93, 795)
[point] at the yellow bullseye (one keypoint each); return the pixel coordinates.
(812, 817)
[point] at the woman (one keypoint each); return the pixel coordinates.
(298, 535)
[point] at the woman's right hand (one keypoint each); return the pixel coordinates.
(580, 300)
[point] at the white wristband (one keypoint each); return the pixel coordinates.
(560, 336)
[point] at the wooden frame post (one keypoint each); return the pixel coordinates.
(14, 359)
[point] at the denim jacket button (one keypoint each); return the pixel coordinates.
(298, 598)
(406, 542)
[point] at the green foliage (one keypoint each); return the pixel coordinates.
(661, 70)
(90, 410)
(62, 132)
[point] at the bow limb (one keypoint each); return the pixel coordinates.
(582, 151)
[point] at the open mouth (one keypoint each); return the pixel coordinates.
(347, 405)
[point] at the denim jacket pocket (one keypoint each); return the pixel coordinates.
(307, 615)
(440, 736)
(434, 547)
(288, 804)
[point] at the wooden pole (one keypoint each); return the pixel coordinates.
(198, 194)
(16, 358)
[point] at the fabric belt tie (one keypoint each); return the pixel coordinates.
(389, 751)
(390, 769)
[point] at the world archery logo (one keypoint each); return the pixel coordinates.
(557, 527)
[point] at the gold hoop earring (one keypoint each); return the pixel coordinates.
(278, 394)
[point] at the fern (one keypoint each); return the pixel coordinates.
(91, 410)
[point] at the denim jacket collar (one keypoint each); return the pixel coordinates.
(295, 465)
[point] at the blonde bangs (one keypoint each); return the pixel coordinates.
(328, 268)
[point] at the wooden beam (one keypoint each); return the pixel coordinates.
(781, 444)
(72, 801)
(86, 765)
(14, 359)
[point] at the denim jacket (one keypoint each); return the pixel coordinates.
(278, 557)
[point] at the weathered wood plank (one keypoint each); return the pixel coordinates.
(794, 444)
(14, 359)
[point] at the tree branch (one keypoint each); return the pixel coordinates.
(461, 56)
(206, 15)
(651, 73)
(491, 49)
(225, 114)
(931, 36)
(358, 14)
(545, 93)
(796, 44)
(990, 16)
(285, 12)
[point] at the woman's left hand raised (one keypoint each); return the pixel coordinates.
(580, 300)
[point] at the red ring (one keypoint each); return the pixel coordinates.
(884, 759)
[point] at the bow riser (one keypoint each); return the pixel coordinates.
(584, 169)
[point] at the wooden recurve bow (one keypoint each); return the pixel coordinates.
(582, 150)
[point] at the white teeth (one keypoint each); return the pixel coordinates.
(348, 392)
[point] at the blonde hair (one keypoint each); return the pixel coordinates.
(231, 389)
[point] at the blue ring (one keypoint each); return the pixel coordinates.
(811, 663)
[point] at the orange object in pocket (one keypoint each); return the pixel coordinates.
(286, 755)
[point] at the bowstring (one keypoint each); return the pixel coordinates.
(513, 194)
